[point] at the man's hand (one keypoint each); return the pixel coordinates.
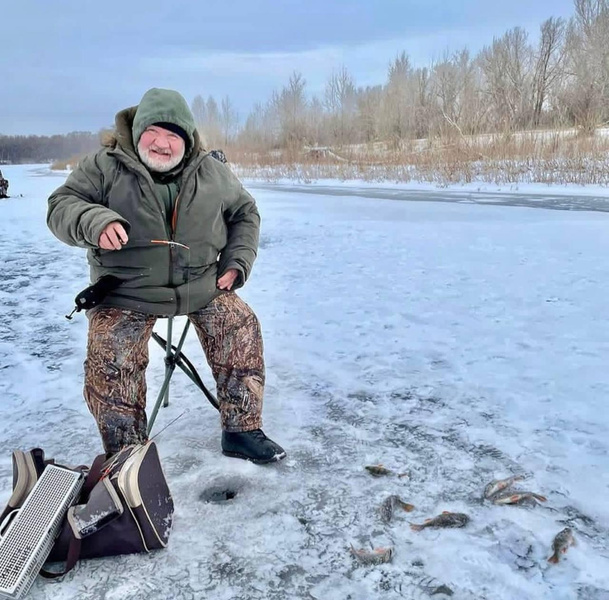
(226, 281)
(113, 237)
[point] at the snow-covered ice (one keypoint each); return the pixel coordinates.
(456, 341)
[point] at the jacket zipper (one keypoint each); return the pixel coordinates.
(171, 230)
(174, 216)
(170, 235)
(174, 221)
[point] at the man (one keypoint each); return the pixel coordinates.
(3, 186)
(176, 226)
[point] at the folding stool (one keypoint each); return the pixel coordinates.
(174, 357)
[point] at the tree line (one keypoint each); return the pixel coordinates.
(16, 149)
(560, 80)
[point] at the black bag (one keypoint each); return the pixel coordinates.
(124, 507)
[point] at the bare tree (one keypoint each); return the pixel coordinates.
(422, 103)
(291, 107)
(506, 66)
(260, 129)
(548, 63)
(455, 84)
(585, 91)
(199, 112)
(369, 105)
(229, 119)
(212, 130)
(340, 101)
(397, 110)
(317, 128)
(445, 88)
(587, 15)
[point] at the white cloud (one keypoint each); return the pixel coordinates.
(366, 62)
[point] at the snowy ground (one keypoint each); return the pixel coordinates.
(456, 341)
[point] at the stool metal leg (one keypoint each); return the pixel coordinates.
(168, 354)
(175, 358)
(170, 365)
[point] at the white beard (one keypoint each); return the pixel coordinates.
(154, 163)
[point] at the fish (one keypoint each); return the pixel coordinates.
(377, 556)
(389, 505)
(381, 471)
(446, 519)
(498, 485)
(561, 544)
(378, 470)
(516, 497)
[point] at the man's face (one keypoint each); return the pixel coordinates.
(160, 149)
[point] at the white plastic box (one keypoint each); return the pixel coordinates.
(28, 540)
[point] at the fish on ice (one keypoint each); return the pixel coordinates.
(498, 485)
(517, 497)
(561, 544)
(389, 506)
(445, 520)
(377, 556)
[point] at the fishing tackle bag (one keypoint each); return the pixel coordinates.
(124, 506)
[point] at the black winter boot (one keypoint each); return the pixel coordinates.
(251, 445)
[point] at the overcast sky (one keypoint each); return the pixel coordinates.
(70, 65)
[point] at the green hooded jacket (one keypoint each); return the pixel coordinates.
(214, 221)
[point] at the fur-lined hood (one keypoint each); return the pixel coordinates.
(122, 135)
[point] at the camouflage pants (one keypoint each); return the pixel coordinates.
(117, 357)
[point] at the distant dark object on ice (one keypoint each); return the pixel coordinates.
(219, 155)
(3, 186)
